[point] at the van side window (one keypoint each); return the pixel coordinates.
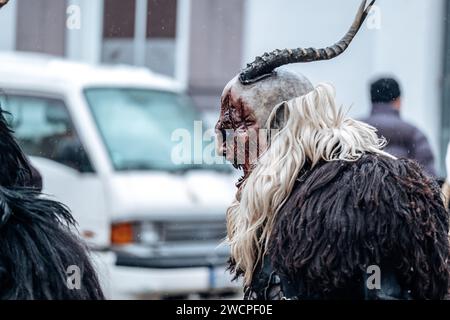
(44, 128)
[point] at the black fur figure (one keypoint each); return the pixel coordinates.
(325, 213)
(343, 217)
(37, 244)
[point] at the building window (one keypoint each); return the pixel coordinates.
(131, 36)
(118, 20)
(161, 19)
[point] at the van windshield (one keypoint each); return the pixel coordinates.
(137, 126)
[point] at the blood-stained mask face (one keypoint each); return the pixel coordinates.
(242, 129)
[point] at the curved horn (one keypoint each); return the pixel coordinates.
(263, 66)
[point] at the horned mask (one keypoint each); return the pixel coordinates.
(250, 97)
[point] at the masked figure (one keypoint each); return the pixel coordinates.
(321, 211)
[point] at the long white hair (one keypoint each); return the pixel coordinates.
(314, 129)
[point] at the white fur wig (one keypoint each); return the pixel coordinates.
(315, 129)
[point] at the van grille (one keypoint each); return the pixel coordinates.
(193, 231)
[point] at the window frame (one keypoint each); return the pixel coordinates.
(10, 92)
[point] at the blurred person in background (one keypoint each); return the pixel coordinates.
(404, 139)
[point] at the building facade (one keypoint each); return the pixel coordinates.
(203, 44)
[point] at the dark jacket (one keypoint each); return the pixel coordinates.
(404, 139)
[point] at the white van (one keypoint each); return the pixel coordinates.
(101, 139)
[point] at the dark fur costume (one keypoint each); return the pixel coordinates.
(36, 243)
(342, 217)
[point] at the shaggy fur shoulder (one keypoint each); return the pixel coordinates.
(36, 248)
(342, 217)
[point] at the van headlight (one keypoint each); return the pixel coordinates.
(148, 233)
(122, 233)
(125, 233)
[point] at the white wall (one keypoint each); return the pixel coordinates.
(84, 44)
(8, 27)
(409, 45)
